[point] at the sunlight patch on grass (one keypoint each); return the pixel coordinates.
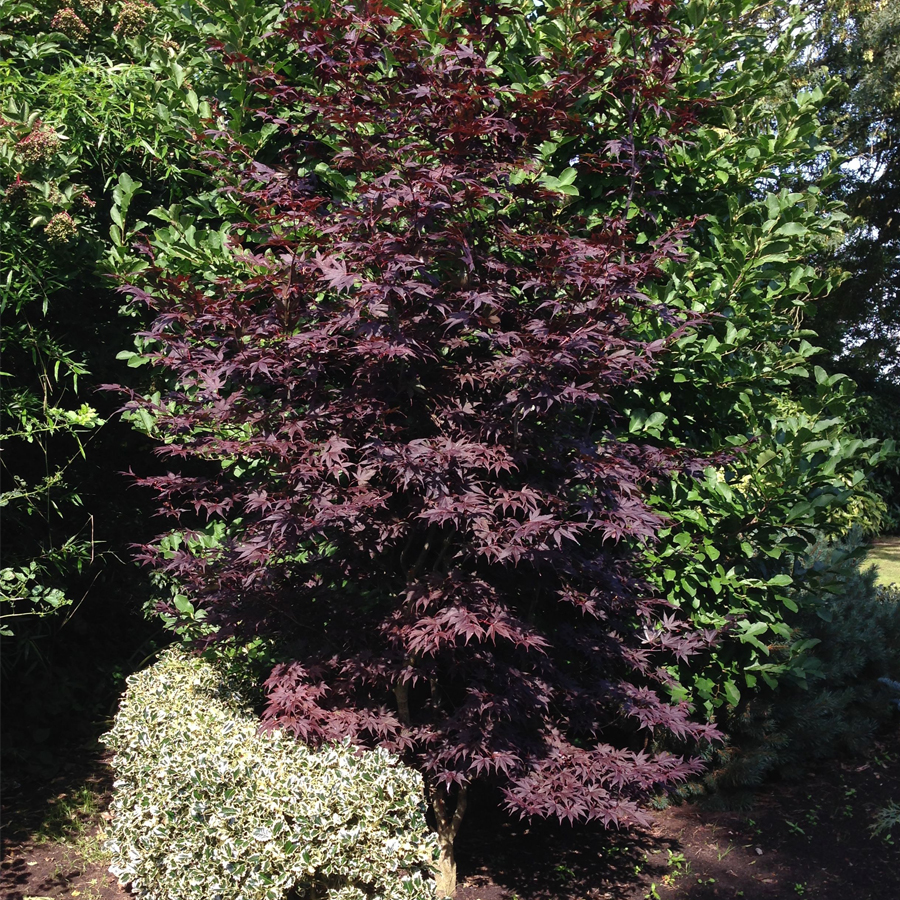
(885, 554)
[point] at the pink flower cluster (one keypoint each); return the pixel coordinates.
(39, 146)
(67, 22)
(61, 229)
(133, 17)
(15, 193)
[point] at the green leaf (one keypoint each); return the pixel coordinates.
(183, 605)
(780, 580)
(765, 457)
(128, 184)
(792, 229)
(732, 693)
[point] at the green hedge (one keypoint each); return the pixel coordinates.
(206, 807)
(836, 697)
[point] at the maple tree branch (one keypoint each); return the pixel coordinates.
(420, 562)
(448, 826)
(401, 692)
(462, 801)
(447, 543)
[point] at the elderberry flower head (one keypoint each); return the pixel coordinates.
(60, 229)
(15, 193)
(133, 17)
(67, 22)
(39, 146)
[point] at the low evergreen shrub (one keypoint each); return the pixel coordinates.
(837, 695)
(208, 807)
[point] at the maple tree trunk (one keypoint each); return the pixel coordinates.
(401, 692)
(445, 886)
(447, 829)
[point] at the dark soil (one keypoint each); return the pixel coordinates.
(45, 871)
(52, 846)
(810, 838)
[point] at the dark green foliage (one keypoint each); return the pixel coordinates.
(96, 108)
(831, 702)
(882, 422)
(94, 125)
(858, 42)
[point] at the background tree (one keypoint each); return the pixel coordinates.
(396, 408)
(857, 42)
(745, 380)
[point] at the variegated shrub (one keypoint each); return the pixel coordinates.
(207, 807)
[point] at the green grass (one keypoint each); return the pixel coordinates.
(885, 554)
(71, 815)
(75, 821)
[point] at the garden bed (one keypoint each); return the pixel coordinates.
(811, 838)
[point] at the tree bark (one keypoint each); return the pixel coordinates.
(447, 829)
(401, 692)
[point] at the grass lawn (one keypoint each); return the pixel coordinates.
(885, 554)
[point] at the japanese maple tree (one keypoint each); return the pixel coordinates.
(400, 402)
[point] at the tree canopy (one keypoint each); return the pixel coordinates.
(476, 338)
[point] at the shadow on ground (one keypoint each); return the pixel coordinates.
(811, 839)
(500, 858)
